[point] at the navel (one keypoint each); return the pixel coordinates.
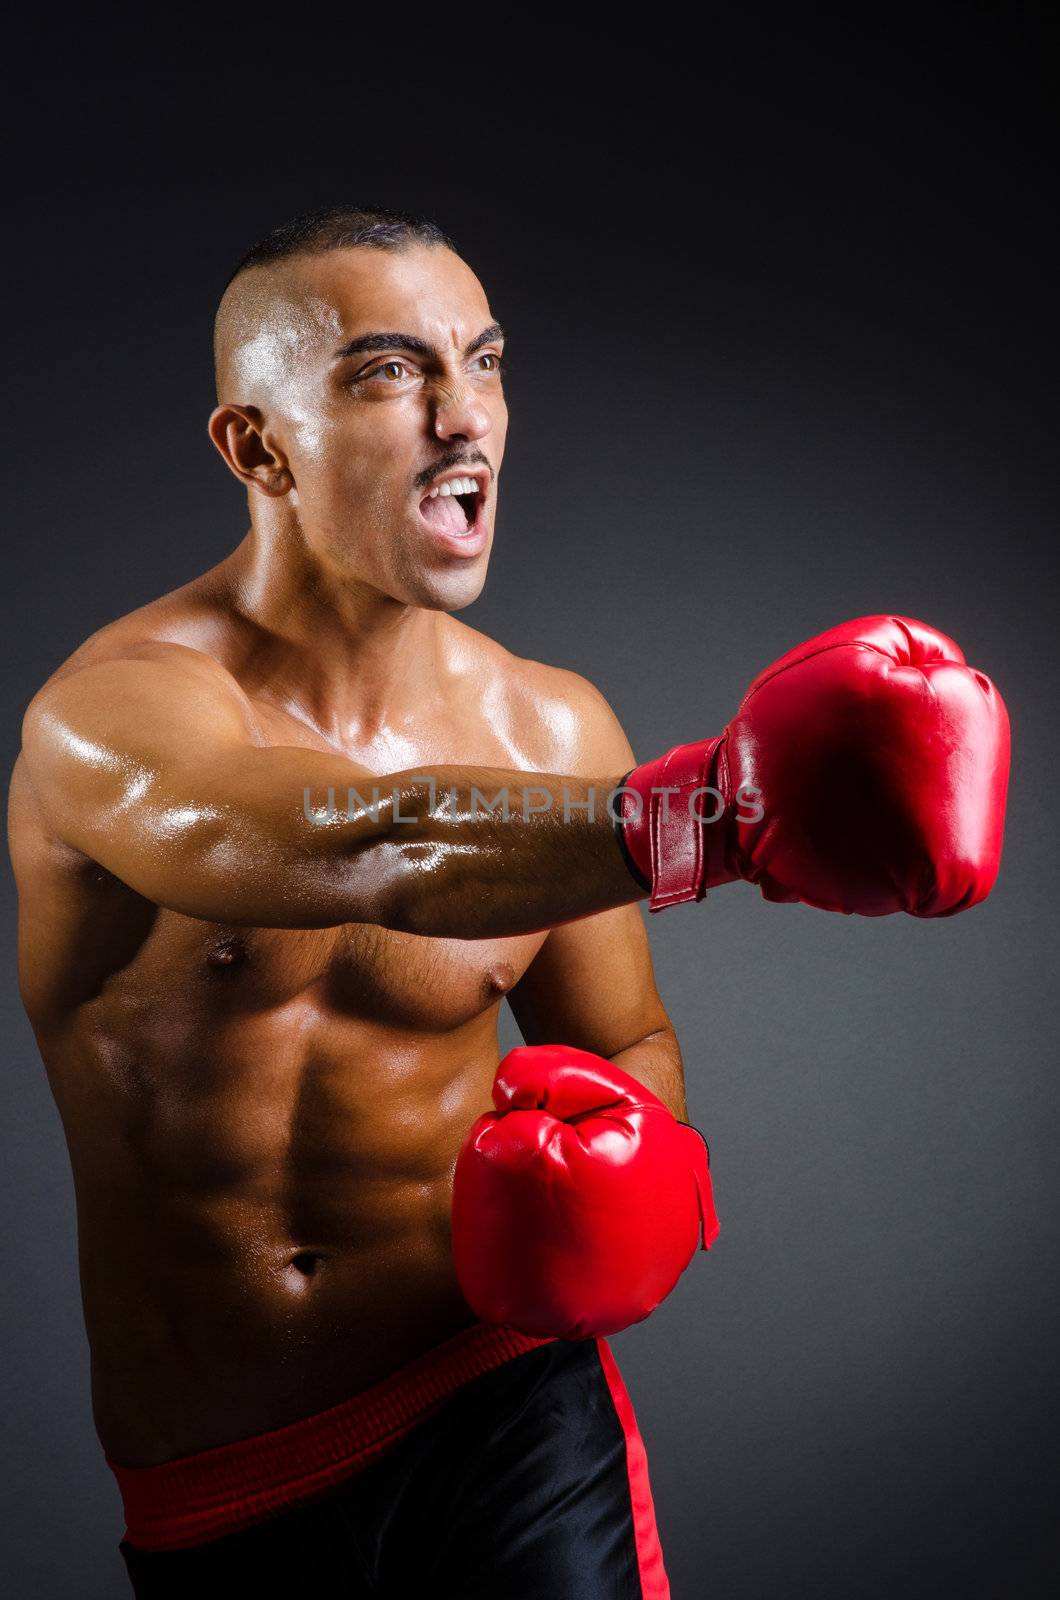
(307, 1263)
(299, 1270)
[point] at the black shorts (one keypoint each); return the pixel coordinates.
(529, 1481)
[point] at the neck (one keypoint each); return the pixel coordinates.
(353, 663)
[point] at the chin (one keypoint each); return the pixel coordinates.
(447, 587)
(451, 591)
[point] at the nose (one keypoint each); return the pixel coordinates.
(458, 413)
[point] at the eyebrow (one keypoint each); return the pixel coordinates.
(367, 342)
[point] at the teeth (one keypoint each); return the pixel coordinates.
(454, 486)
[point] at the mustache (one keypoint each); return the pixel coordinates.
(447, 463)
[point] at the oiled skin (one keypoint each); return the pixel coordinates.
(263, 1121)
(266, 1037)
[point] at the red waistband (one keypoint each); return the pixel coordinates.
(203, 1496)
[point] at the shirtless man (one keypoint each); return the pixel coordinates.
(269, 1025)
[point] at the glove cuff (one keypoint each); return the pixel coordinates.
(709, 1225)
(663, 823)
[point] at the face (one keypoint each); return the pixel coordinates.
(391, 384)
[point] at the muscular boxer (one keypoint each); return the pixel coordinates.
(346, 1281)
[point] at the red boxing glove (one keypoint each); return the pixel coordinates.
(866, 770)
(579, 1202)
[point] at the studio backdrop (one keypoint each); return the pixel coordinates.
(781, 350)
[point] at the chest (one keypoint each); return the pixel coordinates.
(142, 970)
(356, 971)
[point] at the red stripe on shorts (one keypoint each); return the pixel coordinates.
(654, 1584)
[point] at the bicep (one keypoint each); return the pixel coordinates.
(117, 741)
(157, 770)
(149, 765)
(591, 985)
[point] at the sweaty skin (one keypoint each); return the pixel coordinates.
(267, 1035)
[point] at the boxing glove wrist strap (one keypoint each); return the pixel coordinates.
(666, 809)
(709, 1227)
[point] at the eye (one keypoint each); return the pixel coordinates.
(391, 370)
(498, 362)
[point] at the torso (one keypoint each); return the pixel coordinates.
(263, 1122)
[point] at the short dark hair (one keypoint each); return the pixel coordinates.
(342, 227)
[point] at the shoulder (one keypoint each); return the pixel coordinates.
(582, 729)
(560, 721)
(123, 693)
(181, 632)
(106, 670)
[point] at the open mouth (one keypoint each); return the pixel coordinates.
(452, 508)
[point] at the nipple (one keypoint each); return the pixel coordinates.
(227, 952)
(500, 977)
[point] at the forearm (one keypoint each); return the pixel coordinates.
(449, 859)
(656, 1062)
(304, 839)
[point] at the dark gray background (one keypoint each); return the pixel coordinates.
(779, 303)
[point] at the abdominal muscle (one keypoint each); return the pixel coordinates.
(264, 1225)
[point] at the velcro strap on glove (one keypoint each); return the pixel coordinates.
(708, 1217)
(664, 833)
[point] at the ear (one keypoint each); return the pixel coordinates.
(240, 434)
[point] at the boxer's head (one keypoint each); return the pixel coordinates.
(350, 377)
